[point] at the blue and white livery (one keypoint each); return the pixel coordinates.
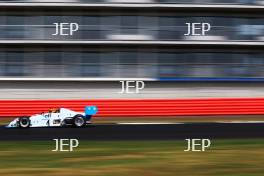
(55, 118)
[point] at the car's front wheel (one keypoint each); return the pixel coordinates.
(79, 121)
(24, 122)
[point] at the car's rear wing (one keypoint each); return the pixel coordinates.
(90, 110)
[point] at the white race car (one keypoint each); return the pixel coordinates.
(56, 118)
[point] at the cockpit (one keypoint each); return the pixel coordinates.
(54, 110)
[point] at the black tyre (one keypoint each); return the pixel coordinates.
(79, 121)
(24, 122)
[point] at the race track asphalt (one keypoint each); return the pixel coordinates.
(139, 132)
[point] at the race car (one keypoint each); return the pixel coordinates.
(58, 117)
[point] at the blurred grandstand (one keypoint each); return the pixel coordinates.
(132, 39)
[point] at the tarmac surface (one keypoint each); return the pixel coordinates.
(109, 90)
(139, 131)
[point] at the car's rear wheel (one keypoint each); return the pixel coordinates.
(79, 121)
(24, 122)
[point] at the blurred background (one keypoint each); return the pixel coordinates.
(133, 39)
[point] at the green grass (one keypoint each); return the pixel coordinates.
(129, 158)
